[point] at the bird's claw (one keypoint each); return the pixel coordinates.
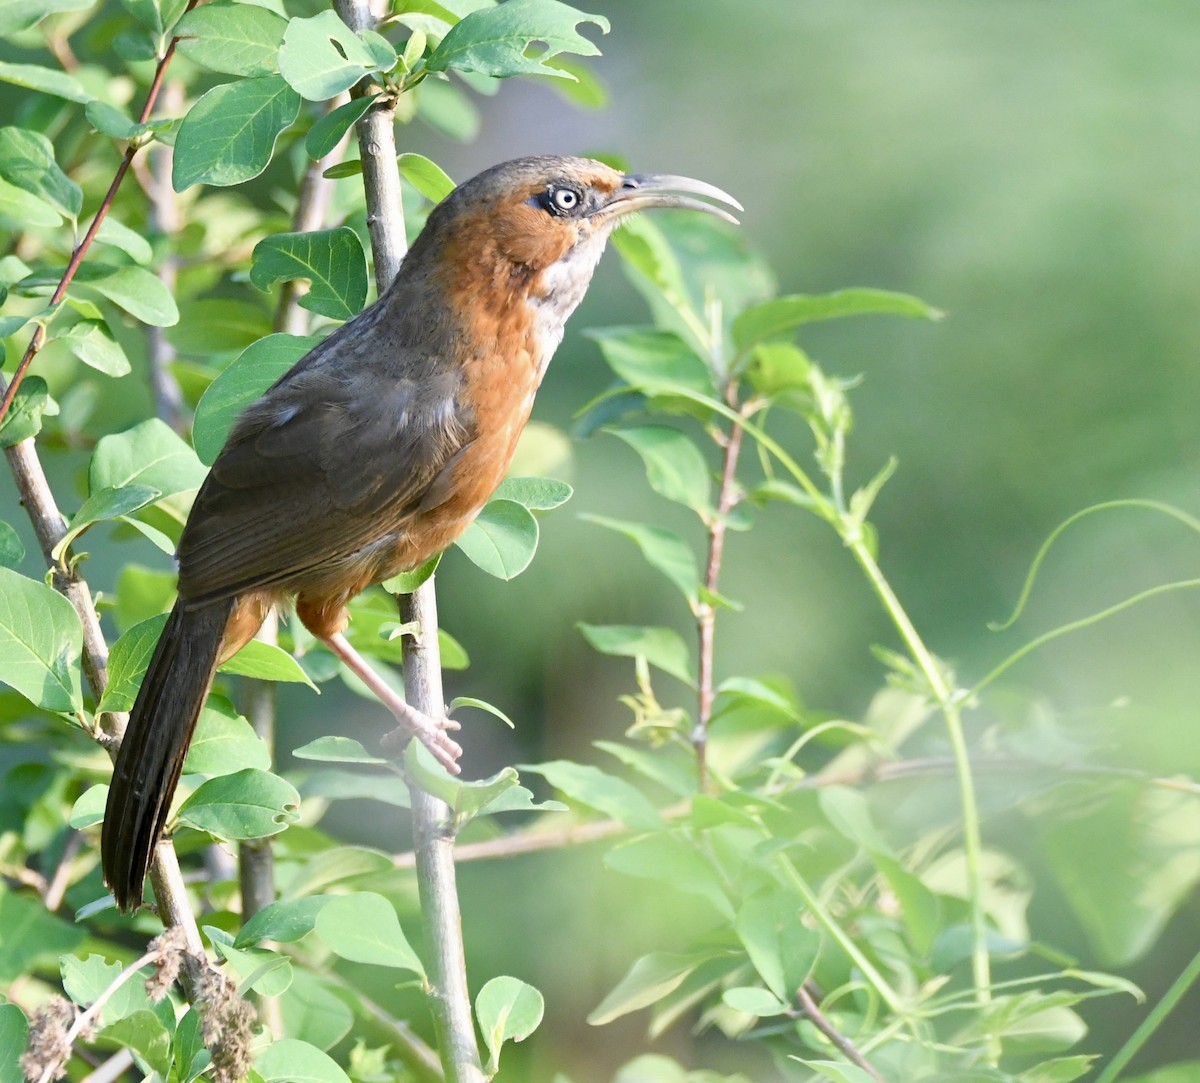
(431, 733)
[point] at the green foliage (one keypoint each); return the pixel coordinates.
(806, 857)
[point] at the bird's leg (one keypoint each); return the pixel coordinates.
(430, 732)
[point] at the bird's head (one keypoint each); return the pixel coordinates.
(532, 230)
(524, 216)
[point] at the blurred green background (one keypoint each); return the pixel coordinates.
(1032, 169)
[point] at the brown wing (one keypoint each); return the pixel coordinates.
(330, 459)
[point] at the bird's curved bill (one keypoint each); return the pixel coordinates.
(643, 191)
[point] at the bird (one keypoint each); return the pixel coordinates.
(373, 453)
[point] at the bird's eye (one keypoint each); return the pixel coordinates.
(564, 200)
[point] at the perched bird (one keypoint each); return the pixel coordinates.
(373, 453)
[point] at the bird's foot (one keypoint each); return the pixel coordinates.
(431, 732)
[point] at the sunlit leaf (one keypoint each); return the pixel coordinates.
(331, 260)
(41, 641)
(228, 136)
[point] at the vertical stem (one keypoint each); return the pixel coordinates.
(1171, 998)
(706, 620)
(972, 834)
(433, 842)
(433, 828)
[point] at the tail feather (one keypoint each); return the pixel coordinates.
(156, 742)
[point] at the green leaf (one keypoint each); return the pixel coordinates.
(496, 41)
(481, 705)
(781, 948)
(919, 906)
(1140, 843)
(501, 792)
(17, 15)
(363, 928)
(649, 979)
(259, 970)
(254, 370)
(249, 804)
(224, 742)
(331, 259)
(191, 1055)
(407, 582)
(19, 210)
(662, 549)
(289, 1060)
(12, 550)
(138, 291)
(27, 161)
(147, 12)
(310, 1007)
(129, 241)
(754, 1001)
(102, 505)
(507, 1010)
(239, 39)
(779, 367)
(849, 813)
(144, 1035)
(596, 789)
(111, 121)
(41, 642)
(321, 56)
(783, 315)
(665, 859)
(266, 662)
(661, 647)
(92, 342)
(150, 454)
(536, 494)
(24, 417)
(426, 176)
(328, 131)
(86, 980)
(88, 810)
(228, 136)
(47, 80)
(336, 750)
(14, 1037)
(675, 468)
(285, 921)
(501, 540)
(654, 362)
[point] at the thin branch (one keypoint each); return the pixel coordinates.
(433, 833)
(707, 614)
(417, 1056)
(38, 340)
(505, 846)
(515, 845)
(112, 1069)
(57, 887)
(819, 1020)
(50, 527)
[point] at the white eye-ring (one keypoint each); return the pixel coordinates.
(565, 199)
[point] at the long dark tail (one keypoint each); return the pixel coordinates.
(156, 742)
